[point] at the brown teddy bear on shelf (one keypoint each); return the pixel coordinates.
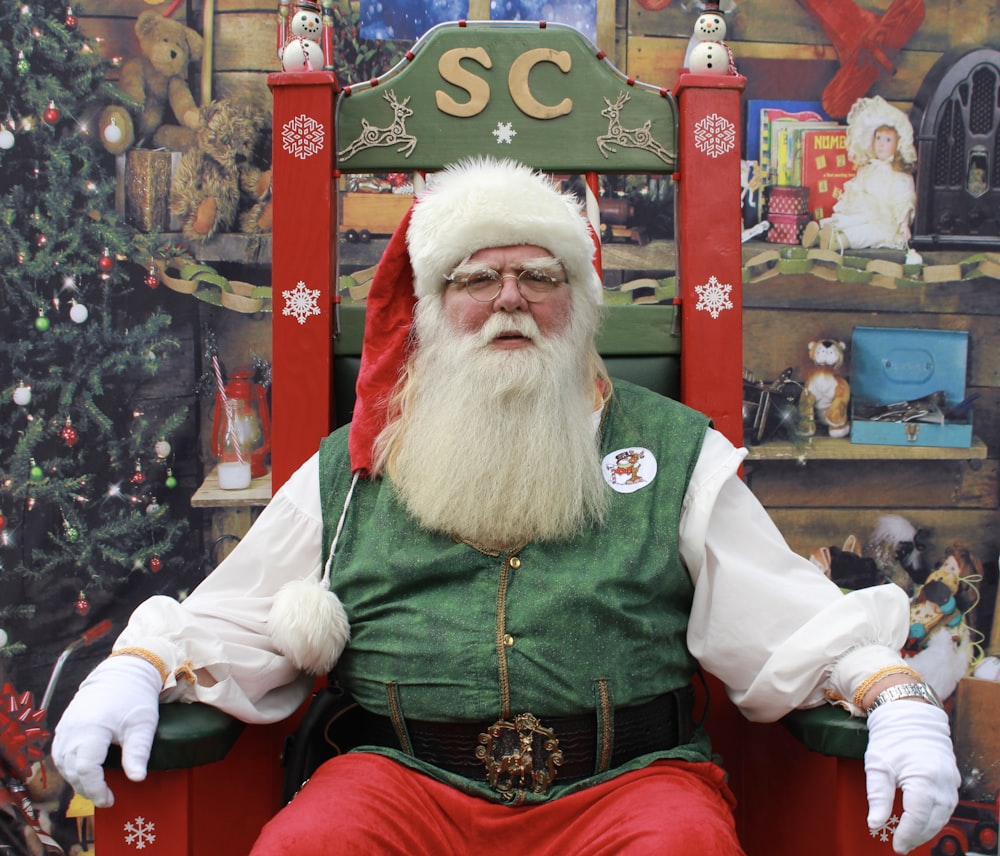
(152, 82)
(825, 393)
(217, 178)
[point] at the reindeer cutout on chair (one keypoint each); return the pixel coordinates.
(372, 136)
(632, 138)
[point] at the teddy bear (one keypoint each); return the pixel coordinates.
(218, 178)
(152, 82)
(825, 392)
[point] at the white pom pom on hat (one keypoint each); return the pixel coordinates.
(308, 624)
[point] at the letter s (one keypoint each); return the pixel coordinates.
(450, 68)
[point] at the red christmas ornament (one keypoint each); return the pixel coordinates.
(82, 605)
(105, 262)
(155, 564)
(138, 477)
(68, 433)
(70, 18)
(151, 279)
(51, 114)
(3, 523)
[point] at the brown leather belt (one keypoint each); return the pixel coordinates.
(563, 748)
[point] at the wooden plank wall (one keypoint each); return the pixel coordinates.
(784, 52)
(241, 33)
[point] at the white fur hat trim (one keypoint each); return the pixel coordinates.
(485, 202)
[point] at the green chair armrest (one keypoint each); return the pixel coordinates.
(829, 730)
(187, 735)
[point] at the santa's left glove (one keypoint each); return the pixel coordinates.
(117, 703)
(909, 747)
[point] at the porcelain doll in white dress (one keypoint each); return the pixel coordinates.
(877, 204)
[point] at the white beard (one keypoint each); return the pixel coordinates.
(498, 447)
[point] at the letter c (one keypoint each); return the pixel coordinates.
(520, 92)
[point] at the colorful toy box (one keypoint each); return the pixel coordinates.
(908, 387)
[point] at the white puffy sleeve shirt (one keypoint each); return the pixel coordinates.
(766, 621)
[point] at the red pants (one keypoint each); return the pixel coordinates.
(368, 804)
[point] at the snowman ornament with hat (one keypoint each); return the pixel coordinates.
(707, 52)
(303, 52)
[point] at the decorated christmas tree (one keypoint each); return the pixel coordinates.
(91, 517)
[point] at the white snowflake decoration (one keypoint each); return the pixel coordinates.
(504, 132)
(302, 136)
(301, 302)
(140, 833)
(714, 135)
(884, 833)
(713, 297)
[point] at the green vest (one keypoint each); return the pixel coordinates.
(442, 631)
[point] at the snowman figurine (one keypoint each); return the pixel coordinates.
(303, 52)
(707, 52)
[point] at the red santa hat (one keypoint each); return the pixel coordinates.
(469, 206)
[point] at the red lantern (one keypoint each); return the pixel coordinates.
(245, 409)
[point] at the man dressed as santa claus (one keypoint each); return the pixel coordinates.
(519, 621)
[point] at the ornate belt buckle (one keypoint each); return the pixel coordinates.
(522, 754)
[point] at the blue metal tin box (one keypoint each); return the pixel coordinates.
(907, 385)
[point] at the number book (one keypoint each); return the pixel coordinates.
(825, 168)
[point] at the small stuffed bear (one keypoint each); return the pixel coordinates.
(152, 82)
(825, 393)
(216, 178)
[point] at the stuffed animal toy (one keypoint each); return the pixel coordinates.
(825, 392)
(940, 645)
(847, 567)
(152, 82)
(215, 177)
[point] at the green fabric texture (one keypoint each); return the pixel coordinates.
(428, 614)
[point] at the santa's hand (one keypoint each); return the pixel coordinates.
(909, 747)
(117, 703)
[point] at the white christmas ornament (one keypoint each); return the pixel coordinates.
(78, 313)
(3, 637)
(162, 449)
(112, 133)
(6, 139)
(22, 395)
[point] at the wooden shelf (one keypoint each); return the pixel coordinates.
(210, 495)
(831, 449)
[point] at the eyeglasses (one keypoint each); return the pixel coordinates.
(485, 284)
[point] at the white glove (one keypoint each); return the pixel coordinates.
(909, 746)
(117, 703)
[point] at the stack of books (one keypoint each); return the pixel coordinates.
(797, 145)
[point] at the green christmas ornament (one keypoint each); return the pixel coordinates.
(35, 473)
(22, 64)
(42, 323)
(171, 480)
